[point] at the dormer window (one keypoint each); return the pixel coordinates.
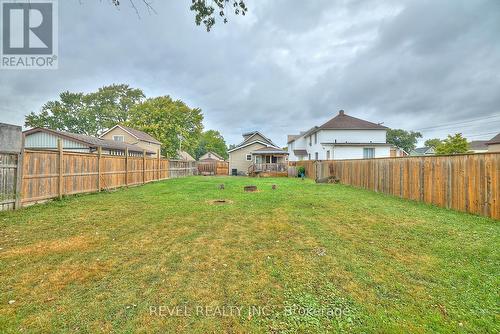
(119, 138)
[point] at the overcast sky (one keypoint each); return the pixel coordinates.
(432, 66)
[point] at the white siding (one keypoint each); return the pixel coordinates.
(341, 136)
(353, 136)
(356, 152)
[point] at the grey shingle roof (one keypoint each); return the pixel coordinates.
(344, 121)
(270, 150)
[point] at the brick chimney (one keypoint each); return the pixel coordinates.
(341, 112)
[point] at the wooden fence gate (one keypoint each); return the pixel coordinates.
(8, 180)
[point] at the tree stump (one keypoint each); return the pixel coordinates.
(250, 188)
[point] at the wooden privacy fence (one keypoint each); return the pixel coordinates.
(50, 174)
(213, 168)
(8, 180)
(469, 183)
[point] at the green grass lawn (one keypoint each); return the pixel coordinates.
(304, 258)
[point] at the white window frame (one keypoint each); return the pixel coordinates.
(119, 136)
(248, 157)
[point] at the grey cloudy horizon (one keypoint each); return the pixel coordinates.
(430, 66)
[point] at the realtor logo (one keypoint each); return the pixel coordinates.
(29, 34)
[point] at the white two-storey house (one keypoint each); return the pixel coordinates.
(342, 137)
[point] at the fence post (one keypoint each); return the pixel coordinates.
(60, 149)
(143, 166)
(159, 164)
(19, 176)
(126, 166)
(99, 153)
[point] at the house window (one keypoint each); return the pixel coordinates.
(249, 157)
(310, 140)
(309, 156)
(368, 153)
(119, 138)
(316, 156)
(328, 155)
(316, 138)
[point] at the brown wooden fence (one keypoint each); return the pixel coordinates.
(51, 174)
(213, 168)
(469, 183)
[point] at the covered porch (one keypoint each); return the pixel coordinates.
(269, 161)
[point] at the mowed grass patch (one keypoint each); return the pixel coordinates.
(302, 258)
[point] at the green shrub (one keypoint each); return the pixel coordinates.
(301, 171)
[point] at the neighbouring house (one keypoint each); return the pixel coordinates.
(342, 137)
(257, 154)
(494, 144)
(419, 151)
(47, 139)
(211, 156)
(184, 156)
(398, 152)
(478, 146)
(124, 134)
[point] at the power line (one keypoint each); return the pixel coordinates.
(458, 123)
(481, 134)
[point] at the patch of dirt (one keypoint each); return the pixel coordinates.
(79, 242)
(220, 202)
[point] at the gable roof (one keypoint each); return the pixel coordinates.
(422, 150)
(344, 121)
(183, 155)
(494, 140)
(340, 122)
(140, 135)
(92, 142)
(249, 141)
(215, 154)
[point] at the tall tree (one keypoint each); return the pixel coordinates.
(173, 123)
(88, 114)
(213, 141)
(455, 144)
(434, 142)
(406, 140)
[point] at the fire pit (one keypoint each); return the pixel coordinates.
(250, 188)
